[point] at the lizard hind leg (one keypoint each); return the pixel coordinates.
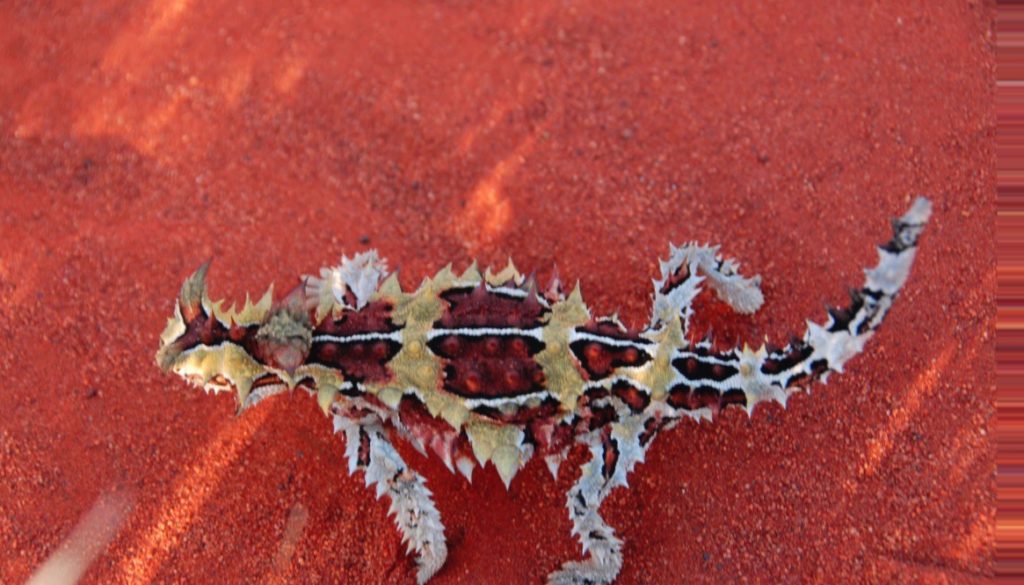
(614, 452)
(680, 283)
(368, 448)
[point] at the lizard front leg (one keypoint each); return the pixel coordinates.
(368, 448)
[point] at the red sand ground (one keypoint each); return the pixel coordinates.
(137, 140)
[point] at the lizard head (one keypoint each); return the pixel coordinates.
(256, 347)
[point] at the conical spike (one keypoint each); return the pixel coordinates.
(243, 386)
(175, 327)
(506, 459)
(442, 446)
(482, 449)
(531, 302)
(576, 295)
(418, 445)
(444, 278)
(554, 292)
(325, 397)
(219, 313)
(472, 274)
(530, 282)
(479, 292)
(390, 288)
(554, 462)
(295, 300)
(193, 290)
(516, 278)
(507, 275)
(252, 314)
(465, 466)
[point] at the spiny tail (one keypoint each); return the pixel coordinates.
(707, 380)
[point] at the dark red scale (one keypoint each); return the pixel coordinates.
(472, 381)
(599, 360)
(690, 366)
(490, 377)
(676, 278)
(373, 318)
(381, 350)
(354, 360)
(364, 448)
(651, 428)
(609, 328)
(706, 397)
(449, 346)
(478, 307)
(687, 398)
(513, 378)
(796, 353)
(204, 329)
(693, 368)
(611, 458)
(361, 361)
(236, 333)
(492, 345)
(633, 397)
(489, 366)
(737, 397)
(600, 416)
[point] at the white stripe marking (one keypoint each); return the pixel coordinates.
(487, 331)
(586, 336)
(395, 336)
(498, 401)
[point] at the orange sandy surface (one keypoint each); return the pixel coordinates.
(139, 139)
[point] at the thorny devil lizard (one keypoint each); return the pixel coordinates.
(479, 368)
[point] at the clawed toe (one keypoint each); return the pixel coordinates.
(430, 561)
(583, 573)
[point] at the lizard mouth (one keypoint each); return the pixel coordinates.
(262, 387)
(216, 384)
